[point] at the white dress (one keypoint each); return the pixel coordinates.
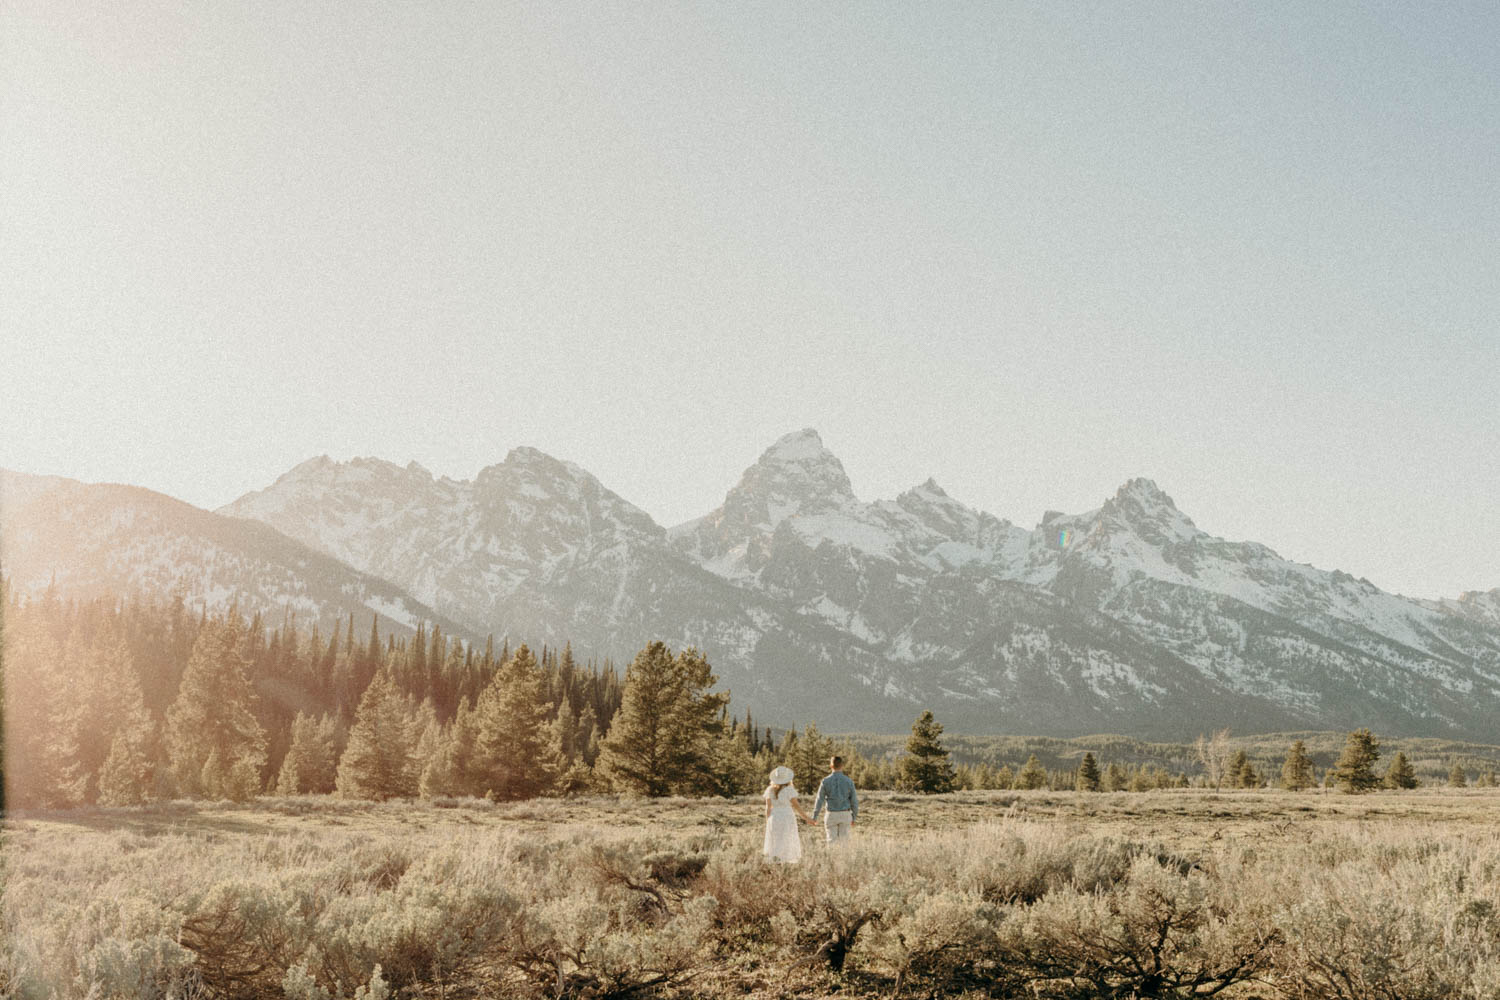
(783, 841)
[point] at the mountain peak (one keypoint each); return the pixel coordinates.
(1143, 490)
(527, 455)
(928, 491)
(798, 446)
(799, 468)
(1148, 512)
(795, 476)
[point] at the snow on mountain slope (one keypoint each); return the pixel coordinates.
(814, 604)
(533, 548)
(799, 483)
(1243, 618)
(91, 540)
(1139, 534)
(522, 525)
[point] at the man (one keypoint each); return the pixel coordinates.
(837, 793)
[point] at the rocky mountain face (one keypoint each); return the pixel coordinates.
(533, 547)
(125, 541)
(1127, 617)
(815, 605)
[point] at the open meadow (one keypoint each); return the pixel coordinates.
(1180, 892)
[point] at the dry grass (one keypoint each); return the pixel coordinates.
(975, 893)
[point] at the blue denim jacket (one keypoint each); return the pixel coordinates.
(838, 794)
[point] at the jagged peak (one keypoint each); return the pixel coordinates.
(798, 446)
(800, 463)
(931, 488)
(1145, 490)
(1149, 512)
(925, 492)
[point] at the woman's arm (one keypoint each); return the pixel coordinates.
(768, 808)
(797, 806)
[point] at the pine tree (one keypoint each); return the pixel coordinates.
(1456, 776)
(661, 738)
(926, 767)
(126, 777)
(88, 673)
(309, 766)
(1005, 778)
(698, 721)
(427, 739)
(378, 761)
(1088, 774)
(41, 757)
(126, 774)
(1241, 773)
(1354, 771)
(809, 756)
(565, 733)
(1116, 779)
(289, 780)
(454, 769)
(586, 736)
(1034, 776)
(516, 755)
(214, 716)
(734, 768)
(1297, 772)
(1400, 774)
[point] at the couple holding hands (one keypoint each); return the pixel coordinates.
(836, 793)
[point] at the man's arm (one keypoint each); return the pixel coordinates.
(853, 802)
(818, 802)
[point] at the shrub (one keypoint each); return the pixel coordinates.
(1162, 933)
(1350, 933)
(943, 938)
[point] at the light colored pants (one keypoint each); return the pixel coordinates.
(836, 825)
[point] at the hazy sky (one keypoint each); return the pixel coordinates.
(1247, 250)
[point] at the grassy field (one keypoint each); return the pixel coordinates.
(1004, 894)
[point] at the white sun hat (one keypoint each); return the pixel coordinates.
(782, 776)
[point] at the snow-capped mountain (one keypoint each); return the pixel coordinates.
(523, 527)
(811, 603)
(533, 548)
(800, 486)
(124, 541)
(814, 604)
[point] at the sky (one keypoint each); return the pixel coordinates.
(1032, 250)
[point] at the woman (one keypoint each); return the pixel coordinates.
(783, 843)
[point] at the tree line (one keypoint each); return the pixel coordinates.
(115, 702)
(112, 701)
(120, 702)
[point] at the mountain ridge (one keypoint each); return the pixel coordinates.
(117, 540)
(1124, 612)
(814, 604)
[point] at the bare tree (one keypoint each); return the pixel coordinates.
(1214, 754)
